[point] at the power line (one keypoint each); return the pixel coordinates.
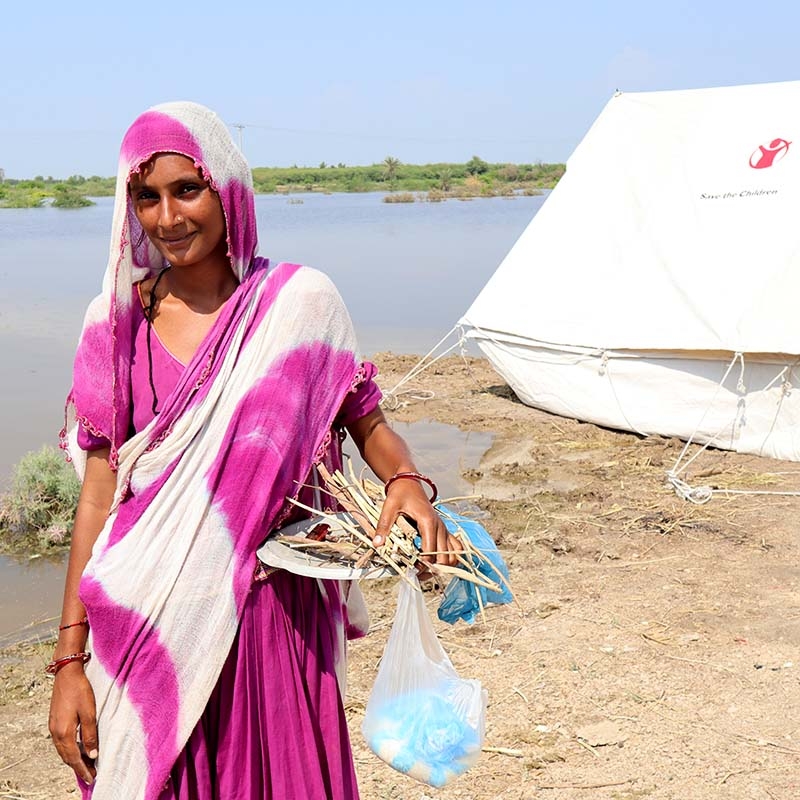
(381, 137)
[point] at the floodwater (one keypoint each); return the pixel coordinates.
(407, 272)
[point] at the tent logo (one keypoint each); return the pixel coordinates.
(764, 157)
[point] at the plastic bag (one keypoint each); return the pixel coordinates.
(421, 718)
(462, 599)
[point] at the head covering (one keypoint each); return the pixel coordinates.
(194, 131)
(100, 393)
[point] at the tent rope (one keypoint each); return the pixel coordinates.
(700, 495)
(392, 397)
(604, 370)
(677, 466)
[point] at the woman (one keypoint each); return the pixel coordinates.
(206, 386)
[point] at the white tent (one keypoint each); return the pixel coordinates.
(658, 288)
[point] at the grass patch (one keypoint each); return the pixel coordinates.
(38, 511)
(399, 197)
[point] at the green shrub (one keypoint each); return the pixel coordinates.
(22, 198)
(476, 166)
(67, 196)
(38, 511)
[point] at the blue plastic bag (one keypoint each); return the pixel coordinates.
(461, 598)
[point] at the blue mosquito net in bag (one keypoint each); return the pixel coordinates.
(462, 599)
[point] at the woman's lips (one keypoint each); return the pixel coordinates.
(180, 241)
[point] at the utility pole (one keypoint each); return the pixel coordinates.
(240, 127)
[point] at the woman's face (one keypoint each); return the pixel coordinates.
(180, 213)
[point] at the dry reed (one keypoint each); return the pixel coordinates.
(362, 501)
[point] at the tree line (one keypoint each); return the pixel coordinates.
(391, 174)
(475, 177)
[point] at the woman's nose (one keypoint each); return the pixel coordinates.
(168, 214)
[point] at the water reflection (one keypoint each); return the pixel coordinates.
(30, 597)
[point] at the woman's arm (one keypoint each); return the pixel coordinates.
(72, 703)
(387, 454)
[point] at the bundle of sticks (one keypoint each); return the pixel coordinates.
(349, 535)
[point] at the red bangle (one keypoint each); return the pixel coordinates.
(57, 663)
(416, 476)
(84, 621)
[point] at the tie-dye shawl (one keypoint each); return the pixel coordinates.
(200, 487)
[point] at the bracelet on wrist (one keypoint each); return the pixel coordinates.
(415, 476)
(57, 663)
(84, 621)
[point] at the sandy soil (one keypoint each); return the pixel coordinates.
(653, 652)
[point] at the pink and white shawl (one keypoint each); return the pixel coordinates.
(202, 485)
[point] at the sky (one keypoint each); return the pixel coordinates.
(355, 82)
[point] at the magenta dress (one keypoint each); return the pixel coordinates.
(274, 727)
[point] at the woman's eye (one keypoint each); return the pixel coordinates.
(144, 194)
(189, 188)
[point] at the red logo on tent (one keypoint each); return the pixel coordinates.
(771, 154)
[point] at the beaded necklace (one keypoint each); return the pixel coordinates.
(149, 312)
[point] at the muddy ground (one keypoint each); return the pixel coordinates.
(653, 650)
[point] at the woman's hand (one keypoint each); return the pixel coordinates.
(387, 454)
(72, 706)
(407, 498)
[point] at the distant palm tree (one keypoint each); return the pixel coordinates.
(390, 165)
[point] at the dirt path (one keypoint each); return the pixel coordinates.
(654, 653)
